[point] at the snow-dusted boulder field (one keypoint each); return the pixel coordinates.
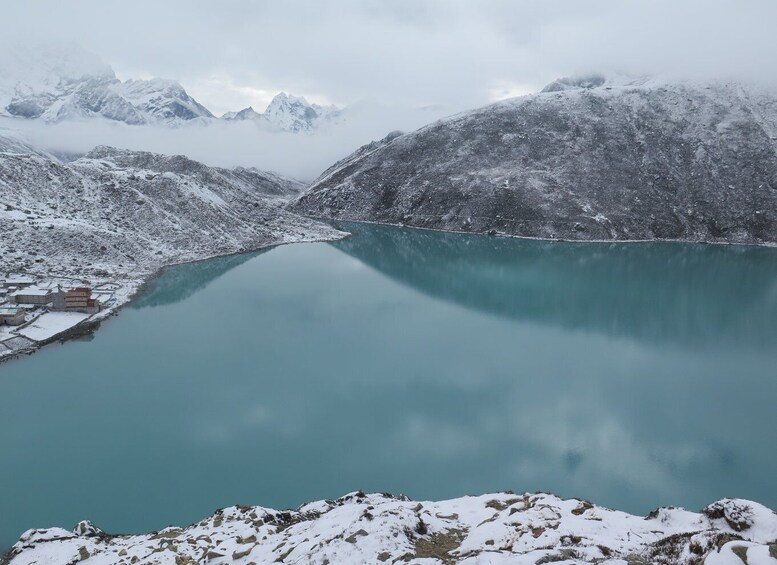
(503, 528)
(588, 159)
(117, 213)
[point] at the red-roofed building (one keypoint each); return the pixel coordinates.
(77, 299)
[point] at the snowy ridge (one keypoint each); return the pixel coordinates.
(62, 82)
(55, 83)
(503, 528)
(289, 113)
(244, 114)
(587, 159)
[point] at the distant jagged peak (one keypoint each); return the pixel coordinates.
(289, 113)
(286, 98)
(283, 101)
(245, 114)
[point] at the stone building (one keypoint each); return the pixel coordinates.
(11, 315)
(33, 295)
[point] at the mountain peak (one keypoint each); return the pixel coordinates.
(283, 99)
(59, 82)
(245, 114)
(294, 113)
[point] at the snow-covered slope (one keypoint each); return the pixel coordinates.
(56, 82)
(586, 159)
(289, 113)
(161, 100)
(125, 213)
(529, 529)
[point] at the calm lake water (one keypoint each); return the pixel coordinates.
(436, 365)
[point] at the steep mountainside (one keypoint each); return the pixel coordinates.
(125, 213)
(503, 528)
(584, 160)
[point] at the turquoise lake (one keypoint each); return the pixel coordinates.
(424, 363)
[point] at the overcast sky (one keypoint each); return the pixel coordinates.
(403, 63)
(453, 53)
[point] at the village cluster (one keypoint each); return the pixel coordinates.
(37, 310)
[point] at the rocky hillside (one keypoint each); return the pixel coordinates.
(116, 212)
(503, 528)
(585, 159)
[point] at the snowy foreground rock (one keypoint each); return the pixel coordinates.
(378, 528)
(583, 160)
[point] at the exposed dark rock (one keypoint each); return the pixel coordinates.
(738, 516)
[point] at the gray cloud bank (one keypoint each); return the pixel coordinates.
(399, 55)
(455, 53)
(227, 144)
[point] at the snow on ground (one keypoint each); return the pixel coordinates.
(116, 217)
(50, 324)
(378, 528)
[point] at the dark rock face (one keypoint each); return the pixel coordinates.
(592, 161)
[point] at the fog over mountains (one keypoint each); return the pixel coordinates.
(55, 84)
(64, 101)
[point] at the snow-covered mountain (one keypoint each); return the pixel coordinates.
(244, 114)
(500, 529)
(294, 113)
(56, 83)
(124, 214)
(290, 113)
(586, 159)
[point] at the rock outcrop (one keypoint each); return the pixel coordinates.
(503, 528)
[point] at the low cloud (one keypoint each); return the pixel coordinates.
(443, 55)
(456, 53)
(229, 144)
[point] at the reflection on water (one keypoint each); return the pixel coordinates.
(405, 361)
(662, 291)
(177, 284)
